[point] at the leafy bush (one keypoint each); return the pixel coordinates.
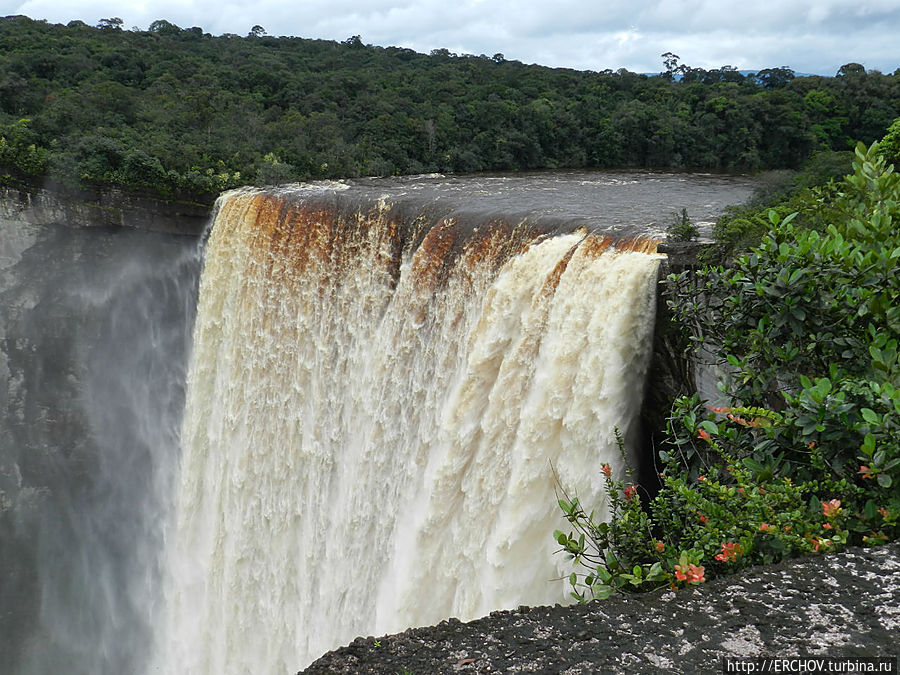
(802, 192)
(889, 147)
(806, 457)
(681, 228)
(20, 149)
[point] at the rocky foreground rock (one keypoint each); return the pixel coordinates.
(842, 605)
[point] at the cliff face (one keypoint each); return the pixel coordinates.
(95, 323)
(673, 369)
(53, 205)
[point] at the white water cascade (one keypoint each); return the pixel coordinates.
(375, 412)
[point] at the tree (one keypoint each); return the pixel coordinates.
(889, 147)
(673, 69)
(851, 69)
(775, 78)
(115, 23)
(163, 27)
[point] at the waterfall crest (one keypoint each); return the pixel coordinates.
(376, 404)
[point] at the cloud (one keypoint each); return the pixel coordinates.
(807, 35)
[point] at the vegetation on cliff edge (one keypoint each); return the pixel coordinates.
(802, 453)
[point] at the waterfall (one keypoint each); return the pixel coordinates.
(377, 402)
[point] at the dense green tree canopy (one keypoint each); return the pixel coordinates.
(174, 109)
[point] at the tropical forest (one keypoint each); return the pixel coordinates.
(173, 110)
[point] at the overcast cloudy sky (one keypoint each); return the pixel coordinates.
(810, 36)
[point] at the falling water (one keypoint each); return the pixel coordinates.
(379, 395)
(94, 331)
(377, 404)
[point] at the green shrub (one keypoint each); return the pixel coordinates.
(20, 150)
(681, 228)
(889, 147)
(806, 457)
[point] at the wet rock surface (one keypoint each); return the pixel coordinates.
(109, 207)
(842, 605)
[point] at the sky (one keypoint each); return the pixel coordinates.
(809, 36)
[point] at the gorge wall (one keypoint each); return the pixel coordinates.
(108, 207)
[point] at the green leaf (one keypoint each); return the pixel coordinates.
(870, 510)
(894, 463)
(870, 416)
(601, 591)
(868, 446)
(709, 426)
(752, 464)
(655, 573)
(796, 275)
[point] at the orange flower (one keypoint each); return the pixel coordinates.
(607, 470)
(831, 508)
(826, 526)
(730, 552)
(765, 527)
(693, 574)
(739, 420)
(702, 518)
(629, 492)
(703, 434)
(701, 478)
(660, 547)
(865, 471)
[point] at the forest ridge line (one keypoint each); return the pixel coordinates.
(178, 111)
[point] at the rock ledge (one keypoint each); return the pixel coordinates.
(841, 605)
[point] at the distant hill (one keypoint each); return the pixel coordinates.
(745, 73)
(175, 109)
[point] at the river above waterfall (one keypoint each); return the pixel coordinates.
(624, 203)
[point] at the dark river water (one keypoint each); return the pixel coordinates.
(627, 203)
